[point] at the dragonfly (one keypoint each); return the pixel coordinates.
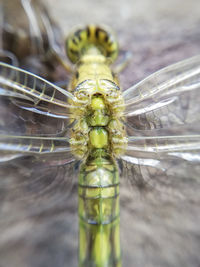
(88, 132)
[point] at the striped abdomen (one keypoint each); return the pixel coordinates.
(99, 213)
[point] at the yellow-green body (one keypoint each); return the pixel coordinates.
(99, 213)
(98, 138)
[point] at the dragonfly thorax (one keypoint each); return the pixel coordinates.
(108, 90)
(98, 128)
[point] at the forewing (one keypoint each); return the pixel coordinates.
(167, 98)
(32, 105)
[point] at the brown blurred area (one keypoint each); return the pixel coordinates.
(157, 230)
(156, 32)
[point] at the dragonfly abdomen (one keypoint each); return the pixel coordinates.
(99, 189)
(99, 211)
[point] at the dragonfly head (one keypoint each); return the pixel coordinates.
(92, 37)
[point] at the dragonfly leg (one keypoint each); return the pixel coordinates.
(118, 139)
(79, 138)
(79, 146)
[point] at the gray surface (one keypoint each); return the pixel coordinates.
(157, 229)
(157, 33)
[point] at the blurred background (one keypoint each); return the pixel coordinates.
(156, 32)
(157, 230)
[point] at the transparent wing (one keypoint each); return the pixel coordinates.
(38, 172)
(163, 127)
(44, 147)
(160, 198)
(35, 116)
(163, 156)
(32, 105)
(31, 178)
(166, 98)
